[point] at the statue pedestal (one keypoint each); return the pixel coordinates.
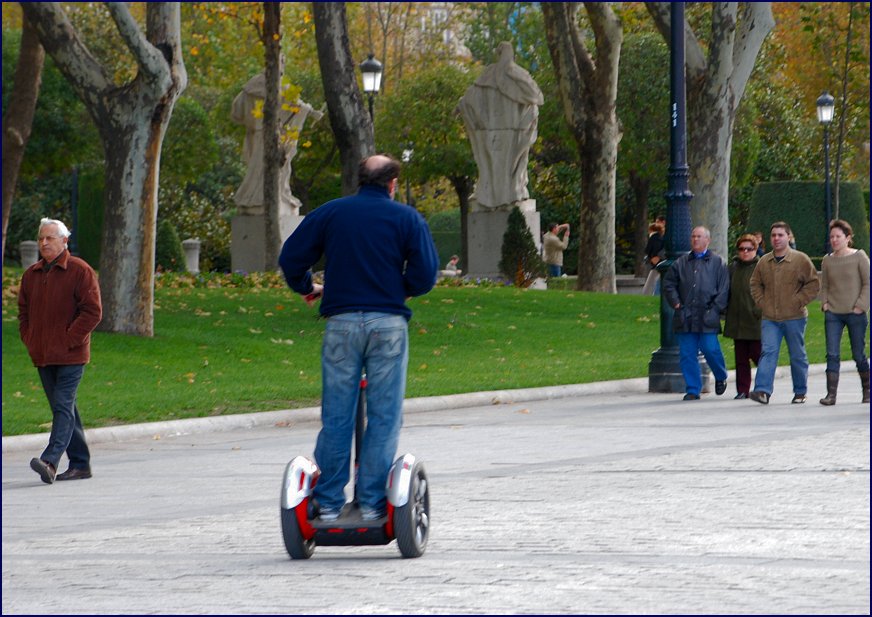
(486, 229)
(247, 233)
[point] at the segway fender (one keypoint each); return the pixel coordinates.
(399, 480)
(301, 474)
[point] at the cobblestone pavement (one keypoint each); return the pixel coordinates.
(608, 503)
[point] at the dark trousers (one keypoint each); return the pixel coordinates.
(67, 435)
(746, 352)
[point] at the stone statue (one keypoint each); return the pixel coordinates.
(249, 195)
(501, 113)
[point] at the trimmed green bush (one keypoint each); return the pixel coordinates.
(90, 215)
(520, 261)
(169, 255)
(801, 205)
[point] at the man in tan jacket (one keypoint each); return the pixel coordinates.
(782, 285)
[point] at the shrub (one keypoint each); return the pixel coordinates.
(169, 255)
(520, 260)
(801, 205)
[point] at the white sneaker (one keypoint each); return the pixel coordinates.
(369, 514)
(328, 516)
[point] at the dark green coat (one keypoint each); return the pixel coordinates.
(743, 316)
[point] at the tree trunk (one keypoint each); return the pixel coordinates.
(840, 140)
(640, 186)
(352, 127)
(588, 91)
(18, 120)
(273, 155)
(132, 120)
(463, 186)
(715, 86)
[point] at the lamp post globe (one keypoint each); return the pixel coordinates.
(371, 70)
(408, 153)
(825, 109)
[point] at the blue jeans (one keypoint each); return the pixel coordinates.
(67, 435)
(771, 333)
(554, 270)
(689, 344)
(834, 324)
(377, 343)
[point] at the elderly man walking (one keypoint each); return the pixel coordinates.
(783, 283)
(697, 286)
(58, 308)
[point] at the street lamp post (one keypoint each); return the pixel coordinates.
(371, 69)
(664, 369)
(825, 108)
(407, 158)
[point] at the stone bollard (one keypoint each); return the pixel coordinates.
(29, 253)
(192, 254)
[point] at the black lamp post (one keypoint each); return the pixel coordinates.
(371, 69)
(407, 158)
(825, 108)
(664, 370)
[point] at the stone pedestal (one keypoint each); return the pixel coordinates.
(29, 253)
(247, 233)
(192, 254)
(486, 229)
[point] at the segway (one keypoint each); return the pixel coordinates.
(408, 505)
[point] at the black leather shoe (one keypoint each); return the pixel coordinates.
(740, 395)
(720, 387)
(691, 397)
(74, 473)
(798, 399)
(45, 470)
(760, 397)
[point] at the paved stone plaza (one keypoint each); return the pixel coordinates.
(609, 501)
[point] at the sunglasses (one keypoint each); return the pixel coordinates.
(746, 249)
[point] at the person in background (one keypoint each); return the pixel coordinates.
(58, 308)
(782, 285)
(451, 268)
(845, 301)
(742, 322)
(761, 243)
(655, 251)
(697, 287)
(553, 247)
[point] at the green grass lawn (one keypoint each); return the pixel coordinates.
(255, 347)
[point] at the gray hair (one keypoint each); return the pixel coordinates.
(63, 232)
(708, 233)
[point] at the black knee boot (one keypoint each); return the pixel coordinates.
(864, 379)
(832, 387)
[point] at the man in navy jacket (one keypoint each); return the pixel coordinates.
(697, 286)
(378, 253)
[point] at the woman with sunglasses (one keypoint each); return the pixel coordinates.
(742, 323)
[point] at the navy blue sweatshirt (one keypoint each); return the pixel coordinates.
(378, 253)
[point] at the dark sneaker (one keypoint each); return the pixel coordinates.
(720, 387)
(45, 470)
(760, 397)
(691, 397)
(798, 399)
(74, 473)
(741, 395)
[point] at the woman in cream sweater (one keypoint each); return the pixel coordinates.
(845, 302)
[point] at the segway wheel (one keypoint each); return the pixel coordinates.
(412, 520)
(297, 546)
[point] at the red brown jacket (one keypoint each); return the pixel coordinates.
(57, 311)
